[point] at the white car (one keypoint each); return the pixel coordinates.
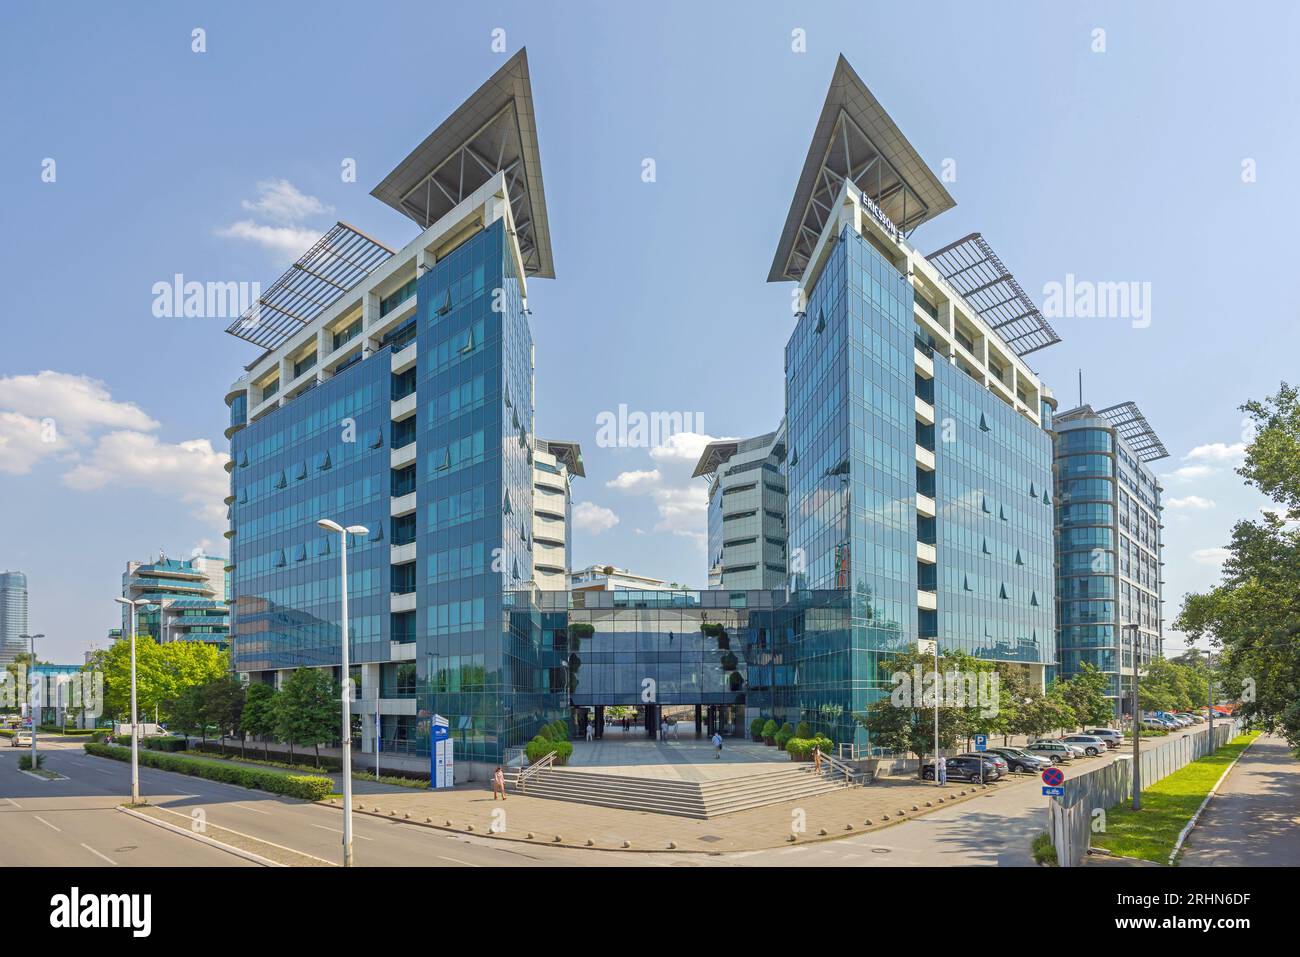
(23, 739)
(1109, 735)
(1058, 751)
(1091, 744)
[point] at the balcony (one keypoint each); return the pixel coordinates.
(399, 554)
(925, 505)
(925, 553)
(405, 359)
(401, 458)
(924, 364)
(402, 602)
(403, 505)
(925, 459)
(926, 600)
(924, 411)
(403, 408)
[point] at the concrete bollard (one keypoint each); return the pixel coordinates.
(627, 843)
(672, 845)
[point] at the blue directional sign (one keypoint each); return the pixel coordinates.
(440, 732)
(981, 742)
(1053, 777)
(1053, 792)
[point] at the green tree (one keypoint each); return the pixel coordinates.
(162, 673)
(308, 710)
(258, 716)
(223, 705)
(1085, 695)
(188, 712)
(904, 720)
(1253, 615)
(1041, 713)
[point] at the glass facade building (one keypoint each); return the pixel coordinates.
(1108, 542)
(13, 615)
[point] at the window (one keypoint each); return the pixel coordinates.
(348, 332)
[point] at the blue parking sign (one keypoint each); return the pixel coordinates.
(981, 742)
(1053, 792)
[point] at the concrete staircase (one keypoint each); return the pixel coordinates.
(697, 799)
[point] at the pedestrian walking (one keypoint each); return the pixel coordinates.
(817, 760)
(942, 765)
(717, 746)
(498, 783)
(591, 731)
(663, 728)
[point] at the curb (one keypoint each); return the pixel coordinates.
(203, 839)
(857, 831)
(1182, 836)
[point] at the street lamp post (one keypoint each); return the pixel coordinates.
(343, 533)
(35, 699)
(135, 730)
(1137, 727)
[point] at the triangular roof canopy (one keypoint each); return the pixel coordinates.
(855, 139)
(494, 130)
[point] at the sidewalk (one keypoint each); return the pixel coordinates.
(470, 809)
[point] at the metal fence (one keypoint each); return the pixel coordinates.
(1070, 818)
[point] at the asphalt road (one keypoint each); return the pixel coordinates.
(1254, 820)
(75, 822)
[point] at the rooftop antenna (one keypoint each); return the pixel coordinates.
(1081, 387)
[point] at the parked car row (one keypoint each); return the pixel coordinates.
(1171, 720)
(1031, 759)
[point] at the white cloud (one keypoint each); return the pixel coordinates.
(1210, 556)
(285, 242)
(1189, 472)
(682, 447)
(636, 480)
(75, 404)
(1217, 452)
(593, 518)
(1190, 501)
(287, 208)
(192, 470)
(74, 420)
(683, 511)
(282, 202)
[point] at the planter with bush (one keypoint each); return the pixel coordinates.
(756, 729)
(770, 728)
(540, 747)
(801, 749)
(803, 730)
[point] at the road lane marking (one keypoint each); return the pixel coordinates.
(14, 803)
(245, 807)
(338, 831)
(47, 823)
(251, 837)
(99, 855)
(455, 860)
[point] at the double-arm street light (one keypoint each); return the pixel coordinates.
(35, 699)
(343, 534)
(135, 731)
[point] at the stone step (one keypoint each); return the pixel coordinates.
(696, 799)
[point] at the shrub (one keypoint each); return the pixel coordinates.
(59, 729)
(1044, 850)
(769, 729)
(540, 747)
(307, 787)
(803, 730)
(801, 747)
(756, 728)
(25, 762)
(783, 737)
(559, 730)
(163, 743)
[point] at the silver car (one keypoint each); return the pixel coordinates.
(1057, 751)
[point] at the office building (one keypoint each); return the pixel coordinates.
(1109, 541)
(13, 615)
(555, 465)
(747, 511)
(188, 599)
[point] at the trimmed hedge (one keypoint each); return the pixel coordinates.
(307, 787)
(163, 743)
(304, 759)
(803, 747)
(540, 747)
(59, 729)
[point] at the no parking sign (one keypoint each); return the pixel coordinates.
(1053, 782)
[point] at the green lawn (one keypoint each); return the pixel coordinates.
(1167, 806)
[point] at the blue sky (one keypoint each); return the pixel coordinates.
(1116, 166)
